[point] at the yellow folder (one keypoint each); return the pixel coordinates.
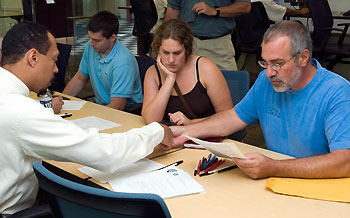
(321, 189)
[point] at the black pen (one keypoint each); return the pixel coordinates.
(219, 170)
(173, 164)
(65, 115)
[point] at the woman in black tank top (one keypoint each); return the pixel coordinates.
(200, 81)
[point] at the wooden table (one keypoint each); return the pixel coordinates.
(228, 194)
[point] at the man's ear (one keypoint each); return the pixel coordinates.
(304, 58)
(113, 37)
(32, 57)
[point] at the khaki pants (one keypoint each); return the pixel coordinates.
(219, 50)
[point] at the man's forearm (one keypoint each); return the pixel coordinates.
(333, 165)
(220, 124)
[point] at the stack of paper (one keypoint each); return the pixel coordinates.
(143, 177)
(94, 122)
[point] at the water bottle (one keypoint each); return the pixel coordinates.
(46, 99)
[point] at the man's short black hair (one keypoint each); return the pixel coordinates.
(104, 21)
(21, 38)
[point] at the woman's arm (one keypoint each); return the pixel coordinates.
(154, 100)
(215, 83)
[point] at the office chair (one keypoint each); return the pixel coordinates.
(144, 62)
(62, 61)
(238, 82)
(322, 19)
(250, 29)
(145, 17)
(70, 199)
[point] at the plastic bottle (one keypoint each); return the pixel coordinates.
(46, 99)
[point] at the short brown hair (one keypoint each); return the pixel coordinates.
(177, 30)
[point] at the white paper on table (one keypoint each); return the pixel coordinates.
(73, 105)
(94, 122)
(227, 150)
(167, 183)
(141, 166)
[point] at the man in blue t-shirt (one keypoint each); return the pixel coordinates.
(111, 67)
(304, 111)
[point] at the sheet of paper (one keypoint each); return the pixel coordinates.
(227, 150)
(142, 166)
(167, 183)
(94, 122)
(191, 145)
(321, 189)
(73, 105)
(50, 1)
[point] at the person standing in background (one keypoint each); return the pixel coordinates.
(212, 23)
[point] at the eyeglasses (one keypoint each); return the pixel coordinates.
(274, 66)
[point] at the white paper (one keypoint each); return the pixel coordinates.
(227, 150)
(94, 122)
(142, 166)
(73, 105)
(191, 145)
(167, 183)
(50, 1)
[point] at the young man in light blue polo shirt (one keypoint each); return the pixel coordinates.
(111, 67)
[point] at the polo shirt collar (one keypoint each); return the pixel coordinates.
(111, 54)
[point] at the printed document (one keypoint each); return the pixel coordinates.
(72, 105)
(94, 122)
(227, 150)
(145, 176)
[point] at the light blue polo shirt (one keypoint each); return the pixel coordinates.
(204, 25)
(311, 121)
(116, 75)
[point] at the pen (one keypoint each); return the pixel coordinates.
(213, 160)
(218, 170)
(172, 164)
(65, 115)
(215, 165)
(195, 170)
(199, 167)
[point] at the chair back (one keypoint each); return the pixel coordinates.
(144, 62)
(62, 61)
(70, 199)
(145, 16)
(238, 83)
(322, 20)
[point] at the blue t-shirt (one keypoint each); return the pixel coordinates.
(116, 75)
(204, 25)
(311, 121)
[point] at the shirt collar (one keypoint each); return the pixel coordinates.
(111, 54)
(11, 84)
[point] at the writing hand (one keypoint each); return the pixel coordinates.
(179, 118)
(57, 104)
(256, 165)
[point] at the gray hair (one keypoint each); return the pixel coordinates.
(299, 36)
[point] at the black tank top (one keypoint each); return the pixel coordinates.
(197, 99)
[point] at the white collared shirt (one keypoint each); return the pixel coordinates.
(31, 132)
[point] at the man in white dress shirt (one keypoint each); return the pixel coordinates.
(30, 132)
(276, 12)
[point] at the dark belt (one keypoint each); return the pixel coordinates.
(213, 37)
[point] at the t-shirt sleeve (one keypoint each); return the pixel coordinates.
(337, 120)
